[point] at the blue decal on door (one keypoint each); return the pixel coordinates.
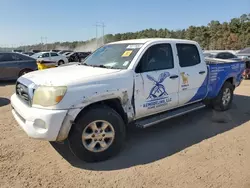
(157, 95)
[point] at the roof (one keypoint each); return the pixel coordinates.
(142, 41)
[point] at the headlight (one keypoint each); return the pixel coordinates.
(48, 96)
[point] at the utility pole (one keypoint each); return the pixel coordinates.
(99, 24)
(45, 43)
(96, 34)
(42, 40)
(41, 43)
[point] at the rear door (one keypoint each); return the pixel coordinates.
(54, 56)
(156, 81)
(193, 73)
(46, 56)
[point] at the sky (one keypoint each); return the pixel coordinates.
(26, 21)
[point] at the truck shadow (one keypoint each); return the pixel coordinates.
(4, 101)
(165, 139)
(6, 83)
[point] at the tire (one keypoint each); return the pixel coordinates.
(60, 62)
(23, 72)
(98, 113)
(218, 102)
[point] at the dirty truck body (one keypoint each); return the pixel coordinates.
(135, 82)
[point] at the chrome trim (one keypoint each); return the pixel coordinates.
(30, 85)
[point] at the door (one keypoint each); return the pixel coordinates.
(156, 81)
(54, 57)
(193, 74)
(2, 65)
(46, 57)
(9, 66)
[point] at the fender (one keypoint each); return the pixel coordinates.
(75, 110)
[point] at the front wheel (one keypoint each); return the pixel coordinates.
(97, 135)
(225, 97)
(23, 72)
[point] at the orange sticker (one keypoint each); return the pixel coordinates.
(127, 53)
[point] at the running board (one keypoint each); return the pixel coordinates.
(149, 121)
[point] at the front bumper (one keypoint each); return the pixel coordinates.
(37, 123)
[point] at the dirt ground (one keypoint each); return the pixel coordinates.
(201, 149)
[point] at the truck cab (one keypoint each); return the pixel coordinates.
(134, 82)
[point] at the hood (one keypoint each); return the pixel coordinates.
(68, 75)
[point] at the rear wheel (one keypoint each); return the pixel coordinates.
(97, 135)
(60, 62)
(225, 97)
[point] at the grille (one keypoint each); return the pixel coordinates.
(22, 92)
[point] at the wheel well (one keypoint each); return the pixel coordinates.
(26, 69)
(231, 81)
(112, 103)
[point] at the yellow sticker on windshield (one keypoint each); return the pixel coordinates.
(127, 53)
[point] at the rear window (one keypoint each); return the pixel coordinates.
(188, 55)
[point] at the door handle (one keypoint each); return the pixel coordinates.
(202, 72)
(174, 76)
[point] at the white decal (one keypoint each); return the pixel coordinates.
(134, 46)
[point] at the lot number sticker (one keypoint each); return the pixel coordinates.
(127, 53)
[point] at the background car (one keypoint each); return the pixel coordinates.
(28, 53)
(244, 53)
(221, 55)
(52, 57)
(77, 56)
(14, 65)
(64, 51)
(55, 51)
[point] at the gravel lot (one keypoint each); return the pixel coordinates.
(201, 149)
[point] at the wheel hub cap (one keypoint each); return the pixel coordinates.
(226, 96)
(98, 136)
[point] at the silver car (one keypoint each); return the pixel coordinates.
(14, 65)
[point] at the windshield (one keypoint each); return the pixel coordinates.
(117, 56)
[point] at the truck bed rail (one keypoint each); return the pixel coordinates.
(210, 60)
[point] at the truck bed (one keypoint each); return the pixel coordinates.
(220, 70)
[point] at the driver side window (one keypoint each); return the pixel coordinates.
(157, 57)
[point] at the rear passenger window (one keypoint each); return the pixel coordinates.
(188, 55)
(222, 56)
(53, 54)
(45, 55)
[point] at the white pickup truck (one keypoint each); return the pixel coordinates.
(135, 82)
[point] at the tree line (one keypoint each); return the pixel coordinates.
(231, 35)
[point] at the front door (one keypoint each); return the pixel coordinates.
(156, 81)
(193, 73)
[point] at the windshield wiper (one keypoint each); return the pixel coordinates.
(83, 64)
(101, 66)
